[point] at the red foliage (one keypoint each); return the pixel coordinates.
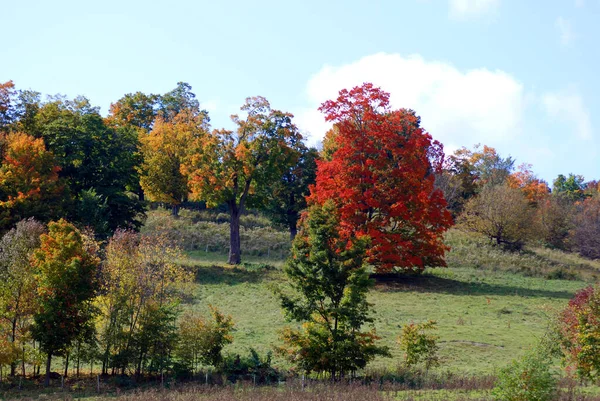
(381, 178)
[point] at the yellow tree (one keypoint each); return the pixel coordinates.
(238, 168)
(163, 150)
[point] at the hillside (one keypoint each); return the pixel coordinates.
(490, 305)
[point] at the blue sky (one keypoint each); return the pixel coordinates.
(517, 75)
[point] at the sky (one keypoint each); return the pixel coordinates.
(517, 75)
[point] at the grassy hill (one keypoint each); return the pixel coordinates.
(490, 305)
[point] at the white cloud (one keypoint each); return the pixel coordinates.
(565, 30)
(465, 9)
(458, 108)
(568, 107)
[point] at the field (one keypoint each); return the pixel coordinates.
(487, 312)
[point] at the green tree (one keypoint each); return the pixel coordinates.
(419, 345)
(235, 168)
(330, 286)
(201, 340)
(17, 284)
(67, 267)
(288, 195)
(571, 187)
(91, 156)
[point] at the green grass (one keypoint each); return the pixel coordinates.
(486, 312)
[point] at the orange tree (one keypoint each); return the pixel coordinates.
(29, 181)
(67, 267)
(381, 177)
(238, 168)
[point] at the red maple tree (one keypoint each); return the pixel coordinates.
(381, 177)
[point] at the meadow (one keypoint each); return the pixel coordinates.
(491, 306)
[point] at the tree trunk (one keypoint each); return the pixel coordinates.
(48, 361)
(293, 231)
(67, 365)
(13, 365)
(235, 257)
(175, 211)
(23, 362)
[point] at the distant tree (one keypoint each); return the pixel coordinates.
(235, 168)
(556, 217)
(66, 269)
(586, 230)
(330, 283)
(534, 189)
(178, 100)
(501, 213)
(137, 110)
(7, 106)
(29, 180)
(92, 156)
(18, 289)
(287, 196)
(381, 178)
(571, 187)
(164, 151)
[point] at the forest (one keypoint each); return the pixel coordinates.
(126, 241)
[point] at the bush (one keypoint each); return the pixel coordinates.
(579, 331)
(251, 367)
(419, 344)
(527, 379)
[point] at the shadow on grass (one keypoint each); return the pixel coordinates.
(215, 275)
(431, 283)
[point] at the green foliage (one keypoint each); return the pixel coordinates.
(66, 271)
(527, 379)
(330, 287)
(201, 340)
(419, 345)
(571, 187)
(17, 282)
(251, 367)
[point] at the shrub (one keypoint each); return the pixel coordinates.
(419, 344)
(579, 330)
(250, 367)
(527, 379)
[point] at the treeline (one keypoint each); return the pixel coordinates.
(513, 207)
(61, 159)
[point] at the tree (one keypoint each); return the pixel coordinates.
(133, 109)
(572, 187)
(586, 231)
(17, 284)
(7, 107)
(329, 281)
(381, 178)
(66, 266)
(142, 283)
(164, 150)
(201, 340)
(288, 195)
(534, 189)
(501, 213)
(579, 329)
(555, 218)
(29, 181)
(419, 345)
(92, 156)
(236, 168)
